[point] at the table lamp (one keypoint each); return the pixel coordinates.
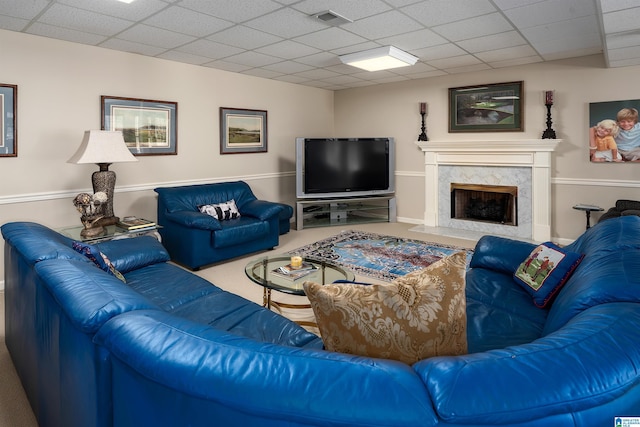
(103, 148)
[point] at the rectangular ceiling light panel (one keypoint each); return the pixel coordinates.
(381, 58)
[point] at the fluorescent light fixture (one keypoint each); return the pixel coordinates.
(126, 1)
(381, 58)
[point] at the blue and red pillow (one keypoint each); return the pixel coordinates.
(543, 273)
(98, 259)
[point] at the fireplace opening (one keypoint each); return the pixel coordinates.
(486, 203)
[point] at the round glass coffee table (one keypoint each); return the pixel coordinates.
(264, 272)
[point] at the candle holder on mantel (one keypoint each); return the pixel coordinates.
(549, 133)
(423, 112)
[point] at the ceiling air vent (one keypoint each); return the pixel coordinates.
(332, 18)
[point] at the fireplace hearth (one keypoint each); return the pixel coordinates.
(490, 203)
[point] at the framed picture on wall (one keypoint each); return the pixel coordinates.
(614, 131)
(149, 127)
(243, 131)
(8, 120)
(486, 108)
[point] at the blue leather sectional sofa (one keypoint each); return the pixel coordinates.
(168, 348)
(195, 239)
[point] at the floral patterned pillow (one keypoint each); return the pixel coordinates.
(420, 315)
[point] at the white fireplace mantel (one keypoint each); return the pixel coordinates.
(531, 153)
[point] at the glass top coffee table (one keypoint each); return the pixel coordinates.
(261, 271)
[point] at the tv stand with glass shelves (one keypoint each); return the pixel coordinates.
(353, 210)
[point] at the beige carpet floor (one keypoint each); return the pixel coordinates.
(14, 407)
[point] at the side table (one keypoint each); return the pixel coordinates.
(111, 232)
(587, 210)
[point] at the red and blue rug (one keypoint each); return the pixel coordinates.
(376, 255)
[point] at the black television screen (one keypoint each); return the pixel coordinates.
(339, 167)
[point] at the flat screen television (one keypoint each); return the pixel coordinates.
(344, 167)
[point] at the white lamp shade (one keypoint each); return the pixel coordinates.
(102, 146)
(381, 58)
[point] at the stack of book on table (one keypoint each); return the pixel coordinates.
(293, 273)
(132, 223)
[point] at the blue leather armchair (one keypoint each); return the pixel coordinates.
(194, 239)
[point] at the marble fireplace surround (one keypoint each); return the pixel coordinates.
(525, 163)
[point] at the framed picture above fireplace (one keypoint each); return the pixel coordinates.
(495, 107)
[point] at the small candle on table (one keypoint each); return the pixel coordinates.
(423, 108)
(548, 97)
(296, 261)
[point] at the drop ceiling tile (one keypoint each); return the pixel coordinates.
(286, 23)
(22, 8)
(455, 62)
(132, 47)
(624, 20)
(136, 11)
(153, 36)
(12, 24)
(175, 55)
(355, 48)
(469, 69)
(484, 25)
(261, 72)
(238, 11)
(511, 4)
(85, 21)
(59, 33)
(419, 67)
(414, 40)
(549, 11)
(626, 62)
(209, 49)
(384, 25)
(244, 37)
(288, 67)
(438, 52)
(516, 62)
(188, 22)
(575, 34)
(253, 59)
(521, 51)
(292, 79)
(343, 80)
(287, 49)
(343, 69)
(624, 53)
(613, 5)
(493, 41)
(317, 74)
(437, 12)
(227, 66)
(322, 59)
(615, 41)
(330, 38)
(352, 10)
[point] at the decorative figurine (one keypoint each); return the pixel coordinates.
(90, 208)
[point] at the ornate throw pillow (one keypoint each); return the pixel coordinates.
(221, 211)
(98, 258)
(545, 271)
(420, 315)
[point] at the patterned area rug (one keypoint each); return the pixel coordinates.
(376, 255)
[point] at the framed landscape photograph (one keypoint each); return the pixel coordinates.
(243, 131)
(149, 127)
(614, 131)
(493, 107)
(8, 120)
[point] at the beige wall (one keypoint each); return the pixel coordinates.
(392, 110)
(60, 84)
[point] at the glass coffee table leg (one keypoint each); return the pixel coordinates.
(266, 298)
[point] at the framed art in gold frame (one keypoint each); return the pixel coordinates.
(496, 107)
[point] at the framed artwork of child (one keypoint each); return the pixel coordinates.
(614, 131)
